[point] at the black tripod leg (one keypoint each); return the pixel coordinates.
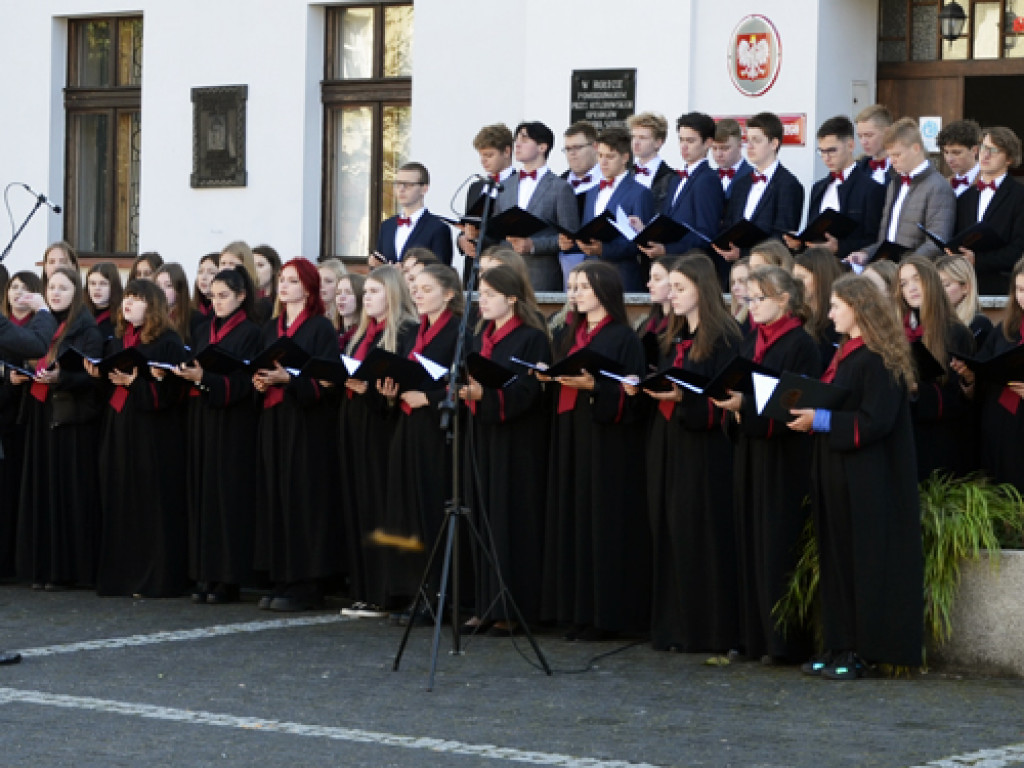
(421, 589)
(506, 594)
(439, 618)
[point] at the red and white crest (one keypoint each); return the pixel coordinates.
(754, 55)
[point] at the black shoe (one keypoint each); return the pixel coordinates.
(845, 666)
(575, 631)
(293, 604)
(8, 657)
(816, 664)
(200, 597)
(223, 594)
(264, 602)
(596, 635)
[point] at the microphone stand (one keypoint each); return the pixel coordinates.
(39, 202)
(454, 511)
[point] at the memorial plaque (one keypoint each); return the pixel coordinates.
(218, 136)
(603, 97)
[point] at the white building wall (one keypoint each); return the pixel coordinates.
(476, 62)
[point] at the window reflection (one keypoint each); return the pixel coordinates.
(352, 193)
(90, 136)
(397, 124)
(398, 41)
(986, 30)
(355, 52)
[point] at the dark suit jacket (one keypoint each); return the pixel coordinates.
(744, 170)
(779, 209)
(1005, 214)
(864, 164)
(660, 183)
(429, 232)
(860, 198)
(700, 205)
(635, 200)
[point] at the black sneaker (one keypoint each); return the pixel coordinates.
(845, 666)
(815, 666)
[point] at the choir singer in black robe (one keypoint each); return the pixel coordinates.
(864, 498)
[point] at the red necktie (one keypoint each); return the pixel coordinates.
(683, 174)
(838, 177)
(724, 172)
(641, 170)
(528, 175)
(756, 177)
(576, 182)
(982, 186)
(605, 183)
(957, 181)
(404, 222)
(877, 165)
(906, 178)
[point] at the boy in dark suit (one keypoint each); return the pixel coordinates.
(648, 131)
(581, 153)
(997, 199)
(415, 225)
(695, 196)
(770, 196)
(494, 145)
(544, 194)
(872, 123)
(958, 141)
(618, 189)
(727, 152)
(848, 188)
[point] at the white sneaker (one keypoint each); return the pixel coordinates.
(362, 610)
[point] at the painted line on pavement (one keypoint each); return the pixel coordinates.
(1000, 757)
(355, 735)
(183, 635)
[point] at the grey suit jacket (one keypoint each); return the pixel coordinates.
(931, 202)
(552, 200)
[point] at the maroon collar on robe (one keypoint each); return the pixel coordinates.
(768, 334)
(846, 349)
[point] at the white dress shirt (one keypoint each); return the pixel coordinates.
(606, 194)
(894, 219)
(652, 168)
(402, 233)
(831, 197)
(970, 177)
(986, 197)
(527, 187)
(595, 179)
(757, 189)
(683, 179)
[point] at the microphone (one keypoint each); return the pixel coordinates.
(42, 199)
(495, 185)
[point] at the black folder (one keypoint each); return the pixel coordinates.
(742, 234)
(515, 222)
(978, 237)
(736, 376)
(215, 360)
(1001, 369)
(598, 228)
(283, 351)
(664, 229)
(797, 391)
(891, 251)
(7, 366)
(323, 369)
(928, 368)
(489, 373)
(828, 222)
(381, 364)
(71, 360)
(663, 381)
(575, 364)
(652, 349)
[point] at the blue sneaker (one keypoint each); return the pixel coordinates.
(845, 666)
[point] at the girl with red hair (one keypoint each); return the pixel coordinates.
(297, 531)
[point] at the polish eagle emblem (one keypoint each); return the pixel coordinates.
(753, 56)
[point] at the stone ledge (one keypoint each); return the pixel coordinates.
(988, 618)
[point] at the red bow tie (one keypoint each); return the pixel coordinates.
(495, 177)
(756, 177)
(576, 182)
(982, 185)
(723, 172)
(906, 178)
(528, 175)
(957, 181)
(642, 170)
(683, 174)
(838, 177)
(877, 165)
(606, 183)
(404, 222)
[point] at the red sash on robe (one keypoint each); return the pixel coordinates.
(120, 396)
(1009, 399)
(38, 390)
(668, 407)
(768, 334)
(424, 336)
(567, 395)
(490, 338)
(275, 394)
(841, 354)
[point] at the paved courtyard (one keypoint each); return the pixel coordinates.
(119, 682)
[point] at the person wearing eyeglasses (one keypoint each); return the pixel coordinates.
(845, 188)
(584, 172)
(998, 200)
(415, 225)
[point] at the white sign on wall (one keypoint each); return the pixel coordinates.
(930, 127)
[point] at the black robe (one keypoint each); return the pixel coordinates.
(695, 593)
(144, 524)
(943, 416)
(597, 547)
(58, 512)
(419, 474)
(772, 480)
(223, 464)
(367, 424)
(1002, 432)
(509, 443)
(868, 519)
(298, 438)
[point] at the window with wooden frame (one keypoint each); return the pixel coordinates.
(367, 97)
(910, 30)
(102, 103)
